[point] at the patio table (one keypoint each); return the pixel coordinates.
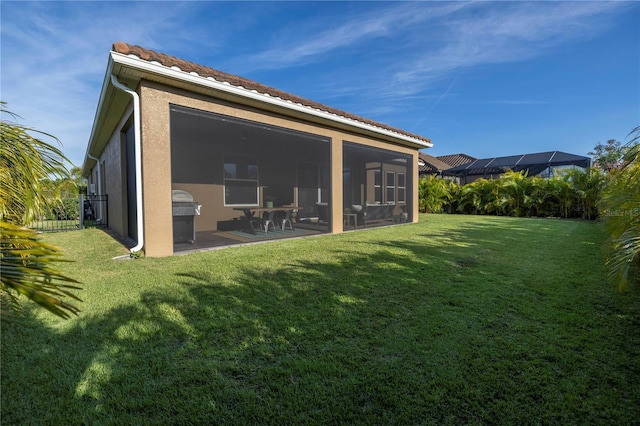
(249, 213)
(348, 218)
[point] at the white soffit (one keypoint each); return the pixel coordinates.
(175, 73)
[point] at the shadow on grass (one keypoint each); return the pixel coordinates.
(409, 331)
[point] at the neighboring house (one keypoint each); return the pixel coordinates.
(541, 163)
(455, 160)
(164, 124)
(430, 165)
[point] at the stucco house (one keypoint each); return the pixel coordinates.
(165, 126)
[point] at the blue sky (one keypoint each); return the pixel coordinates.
(484, 78)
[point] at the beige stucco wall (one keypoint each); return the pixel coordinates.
(156, 158)
(156, 172)
(113, 178)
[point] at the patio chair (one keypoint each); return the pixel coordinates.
(287, 219)
(323, 213)
(268, 219)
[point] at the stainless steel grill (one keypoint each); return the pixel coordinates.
(185, 209)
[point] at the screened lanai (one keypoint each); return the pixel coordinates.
(239, 170)
(231, 166)
(535, 164)
(376, 186)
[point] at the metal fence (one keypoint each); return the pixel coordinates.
(83, 211)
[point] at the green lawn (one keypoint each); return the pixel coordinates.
(455, 320)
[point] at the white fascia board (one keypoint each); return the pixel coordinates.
(194, 78)
(96, 118)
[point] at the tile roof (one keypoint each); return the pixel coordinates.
(431, 164)
(234, 80)
(455, 160)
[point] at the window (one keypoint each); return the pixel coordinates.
(377, 185)
(240, 181)
(402, 188)
(391, 187)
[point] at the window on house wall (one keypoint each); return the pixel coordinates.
(391, 187)
(241, 181)
(402, 188)
(377, 186)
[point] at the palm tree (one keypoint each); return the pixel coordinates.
(479, 197)
(434, 193)
(543, 201)
(565, 195)
(26, 163)
(514, 189)
(587, 186)
(620, 208)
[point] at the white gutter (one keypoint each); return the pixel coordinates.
(138, 160)
(196, 79)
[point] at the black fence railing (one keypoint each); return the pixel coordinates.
(83, 211)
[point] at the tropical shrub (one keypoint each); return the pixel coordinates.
(586, 187)
(434, 194)
(67, 208)
(513, 194)
(571, 194)
(620, 206)
(545, 197)
(478, 197)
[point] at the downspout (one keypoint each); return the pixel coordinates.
(138, 159)
(97, 160)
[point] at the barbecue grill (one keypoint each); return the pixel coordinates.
(184, 213)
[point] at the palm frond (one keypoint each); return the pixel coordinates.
(25, 162)
(26, 269)
(620, 205)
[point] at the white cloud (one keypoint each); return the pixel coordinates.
(387, 54)
(54, 56)
(304, 43)
(492, 33)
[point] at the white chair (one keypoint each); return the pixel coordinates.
(268, 219)
(287, 219)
